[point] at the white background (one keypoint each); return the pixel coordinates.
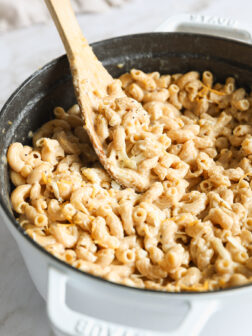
(22, 310)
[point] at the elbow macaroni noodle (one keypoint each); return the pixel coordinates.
(186, 143)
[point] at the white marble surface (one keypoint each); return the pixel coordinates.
(22, 311)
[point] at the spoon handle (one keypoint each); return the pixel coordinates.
(84, 64)
(90, 78)
(67, 25)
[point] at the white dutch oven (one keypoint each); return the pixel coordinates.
(79, 304)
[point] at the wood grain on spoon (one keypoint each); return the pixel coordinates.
(90, 80)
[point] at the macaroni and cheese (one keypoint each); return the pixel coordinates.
(185, 144)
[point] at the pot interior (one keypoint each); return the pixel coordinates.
(33, 102)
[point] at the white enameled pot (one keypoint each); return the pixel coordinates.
(81, 305)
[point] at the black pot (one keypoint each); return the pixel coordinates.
(32, 103)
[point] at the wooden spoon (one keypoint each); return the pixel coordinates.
(90, 80)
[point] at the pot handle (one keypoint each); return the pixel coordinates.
(209, 25)
(66, 321)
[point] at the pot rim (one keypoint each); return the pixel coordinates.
(15, 224)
